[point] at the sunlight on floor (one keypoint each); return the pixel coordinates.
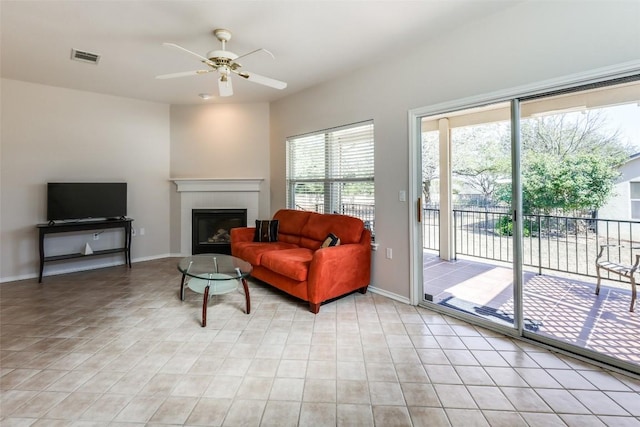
(484, 287)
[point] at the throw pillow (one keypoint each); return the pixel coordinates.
(266, 231)
(330, 240)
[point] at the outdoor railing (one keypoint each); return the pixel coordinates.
(554, 243)
(431, 229)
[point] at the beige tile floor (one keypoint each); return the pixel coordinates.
(116, 347)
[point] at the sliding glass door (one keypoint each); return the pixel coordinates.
(580, 166)
(467, 226)
(520, 201)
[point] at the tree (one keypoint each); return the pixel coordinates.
(481, 156)
(581, 181)
(568, 162)
(430, 163)
(564, 135)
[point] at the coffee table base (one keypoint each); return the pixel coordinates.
(205, 292)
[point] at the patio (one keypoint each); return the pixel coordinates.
(556, 307)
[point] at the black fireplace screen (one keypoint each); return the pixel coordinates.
(212, 229)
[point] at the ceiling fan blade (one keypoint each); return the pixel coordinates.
(224, 86)
(255, 51)
(183, 74)
(257, 78)
(200, 57)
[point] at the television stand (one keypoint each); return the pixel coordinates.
(68, 227)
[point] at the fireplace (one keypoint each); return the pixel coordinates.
(212, 229)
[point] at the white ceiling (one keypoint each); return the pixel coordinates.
(313, 41)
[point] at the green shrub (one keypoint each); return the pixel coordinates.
(504, 226)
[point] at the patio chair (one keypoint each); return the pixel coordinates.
(623, 270)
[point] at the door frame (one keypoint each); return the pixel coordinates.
(415, 191)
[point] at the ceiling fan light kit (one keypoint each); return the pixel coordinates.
(224, 62)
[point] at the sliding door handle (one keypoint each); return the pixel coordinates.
(419, 204)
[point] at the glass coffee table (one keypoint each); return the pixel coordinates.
(214, 274)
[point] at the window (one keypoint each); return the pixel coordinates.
(635, 200)
(332, 171)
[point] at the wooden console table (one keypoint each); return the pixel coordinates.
(68, 227)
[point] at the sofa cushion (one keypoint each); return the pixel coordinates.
(291, 223)
(347, 228)
(266, 231)
(252, 251)
(292, 263)
(331, 240)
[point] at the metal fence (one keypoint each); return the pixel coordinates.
(553, 243)
(431, 229)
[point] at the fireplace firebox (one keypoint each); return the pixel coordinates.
(212, 229)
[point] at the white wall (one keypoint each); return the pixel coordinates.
(619, 205)
(53, 134)
(219, 141)
(530, 42)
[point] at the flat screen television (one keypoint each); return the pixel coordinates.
(85, 200)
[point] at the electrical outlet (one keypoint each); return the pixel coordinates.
(389, 253)
(142, 231)
(96, 236)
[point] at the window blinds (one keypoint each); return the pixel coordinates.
(332, 170)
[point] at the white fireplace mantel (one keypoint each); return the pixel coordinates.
(215, 193)
(217, 184)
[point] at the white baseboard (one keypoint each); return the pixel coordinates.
(151, 258)
(389, 295)
(78, 268)
(178, 255)
(17, 278)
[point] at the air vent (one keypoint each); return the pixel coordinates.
(81, 55)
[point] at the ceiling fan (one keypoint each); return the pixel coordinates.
(225, 63)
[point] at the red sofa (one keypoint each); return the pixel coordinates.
(296, 263)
